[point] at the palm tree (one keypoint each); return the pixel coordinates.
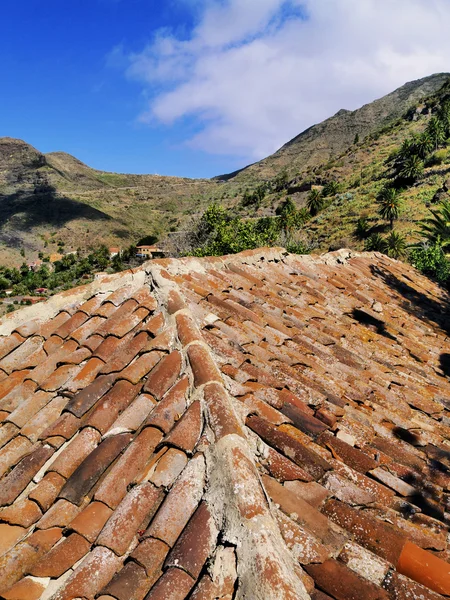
(436, 131)
(437, 227)
(362, 228)
(314, 202)
(444, 117)
(424, 145)
(411, 168)
(375, 243)
(390, 204)
(396, 245)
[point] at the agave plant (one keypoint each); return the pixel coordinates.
(437, 227)
(395, 245)
(390, 204)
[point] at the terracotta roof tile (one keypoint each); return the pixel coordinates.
(75, 452)
(17, 480)
(90, 576)
(106, 405)
(47, 490)
(169, 409)
(188, 429)
(195, 544)
(61, 557)
(22, 512)
(59, 515)
(130, 465)
(150, 554)
(343, 583)
(131, 583)
(180, 503)
(174, 584)
(125, 522)
(90, 470)
(26, 589)
(91, 520)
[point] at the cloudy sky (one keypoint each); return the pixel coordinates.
(200, 87)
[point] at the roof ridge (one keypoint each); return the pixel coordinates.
(246, 521)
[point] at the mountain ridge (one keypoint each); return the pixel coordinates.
(54, 198)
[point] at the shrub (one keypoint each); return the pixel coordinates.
(431, 260)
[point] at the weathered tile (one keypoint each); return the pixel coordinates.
(174, 584)
(169, 409)
(62, 557)
(130, 583)
(22, 512)
(127, 519)
(94, 465)
(180, 503)
(91, 520)
(164, 375)
(188, 429)
(86, 398)
(18, 479)
(90, 576)
(114, 486)
(9, 536)
(47, 490)
(195, 543)
(59, 514)
(169, 466)
(75, 452)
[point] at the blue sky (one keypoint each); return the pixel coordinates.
(201, 87)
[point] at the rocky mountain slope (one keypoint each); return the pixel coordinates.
(323, 141)
(50, 198)
(51, 201)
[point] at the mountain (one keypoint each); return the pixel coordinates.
(54, 200)
(323, 141)
(48, 199)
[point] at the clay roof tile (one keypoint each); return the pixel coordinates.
(123, 449)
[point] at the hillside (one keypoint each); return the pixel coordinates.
(54, 200)
(323, 141)
(348, 184)
(51, 198)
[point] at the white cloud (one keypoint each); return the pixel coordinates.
(255, 73)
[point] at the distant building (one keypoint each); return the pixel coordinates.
(35, 265)
(149, 252)
(114, 252)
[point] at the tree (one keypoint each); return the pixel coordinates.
(436, 132)
(395, 245)
(389, 202)
(411, 168)
(314, 202)
(290, 217)
(437, 227)
(376, 243)
(356, 140)
(331, 188)
(362, 228)
(424, 145)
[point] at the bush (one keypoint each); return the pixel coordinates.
(431, 260)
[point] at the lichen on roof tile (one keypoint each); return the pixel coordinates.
(260, 425)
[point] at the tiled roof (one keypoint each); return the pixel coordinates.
(260, 426)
